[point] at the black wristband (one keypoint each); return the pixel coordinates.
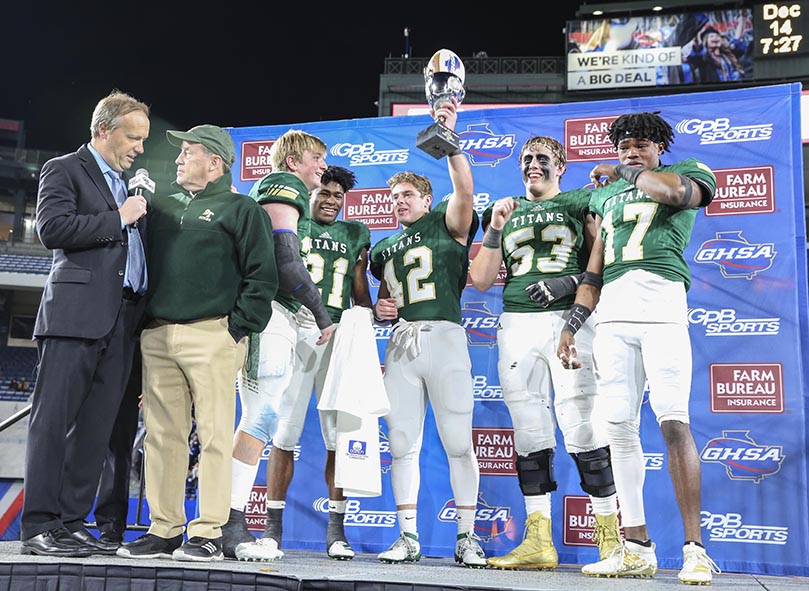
(578, 316)
(594, 279)
(492, 238)
(629, 173)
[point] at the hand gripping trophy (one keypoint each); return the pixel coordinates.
(443, 79)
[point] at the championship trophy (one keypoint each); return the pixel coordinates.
(443, 79)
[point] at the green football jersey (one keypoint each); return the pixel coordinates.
(285, 187)
(333, 251)
(425, 268)
(543, 239)
(640, 233)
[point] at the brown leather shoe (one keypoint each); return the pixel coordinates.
(56, 542)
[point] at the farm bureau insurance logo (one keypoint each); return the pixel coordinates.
(494, 449)
(742, 191)
(742, 456)
(372, 207)
(587, 139)
(255, 159)
(730, 527)
(580, 521)
(735, 256)
(747, 388)
(366, 154)
(485, 148)
(725, 323)
(722, 131)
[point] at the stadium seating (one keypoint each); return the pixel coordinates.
(17, 363)
(15, 263)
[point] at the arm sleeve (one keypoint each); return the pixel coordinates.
(295, 279)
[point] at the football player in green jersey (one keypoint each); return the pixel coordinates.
(298, 160)
(545, 234)
(422, 272)
(337, 260)
(646, 212)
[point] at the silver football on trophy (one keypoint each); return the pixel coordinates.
(443, 79)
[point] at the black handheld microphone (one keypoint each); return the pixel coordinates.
(142, 185)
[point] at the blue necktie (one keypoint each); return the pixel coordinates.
(135, 268)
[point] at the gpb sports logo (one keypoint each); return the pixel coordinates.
(356, 516)
(721, 323)
(743, 458)
(484, 391)
(485, 148)
(653, 461)
(480, 203)
(490, 521)
(735, 256)
(720, 131)
(480, 324)
(366, 154)
(729, 527)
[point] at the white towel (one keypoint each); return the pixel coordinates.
(354, 387)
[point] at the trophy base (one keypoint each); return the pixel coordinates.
(438, 140)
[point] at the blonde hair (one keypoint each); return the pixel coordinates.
(111, 108)
(422, 183)
(294, 143)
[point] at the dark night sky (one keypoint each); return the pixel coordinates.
(199, 64)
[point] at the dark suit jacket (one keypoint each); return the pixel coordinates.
(77, 218)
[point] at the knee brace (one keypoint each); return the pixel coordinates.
(595, 470)
(535, 472)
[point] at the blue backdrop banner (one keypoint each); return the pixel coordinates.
(748, 325)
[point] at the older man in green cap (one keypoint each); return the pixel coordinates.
(213, 278)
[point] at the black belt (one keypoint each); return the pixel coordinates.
(131, 295)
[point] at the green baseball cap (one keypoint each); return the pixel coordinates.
(216, 139)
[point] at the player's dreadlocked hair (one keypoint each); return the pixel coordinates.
(645, 126)
(342, 176)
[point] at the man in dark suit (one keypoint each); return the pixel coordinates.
(112, 505)
(87, 325)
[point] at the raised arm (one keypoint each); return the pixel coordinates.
(459, 208)
(668, 188)
(486, 264)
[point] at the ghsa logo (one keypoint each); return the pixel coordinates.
(485, 148)
(735, 256)
(490, 521)
(385, 459)
(743, 458)
(480, 324)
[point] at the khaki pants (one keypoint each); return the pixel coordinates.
(184, 365)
